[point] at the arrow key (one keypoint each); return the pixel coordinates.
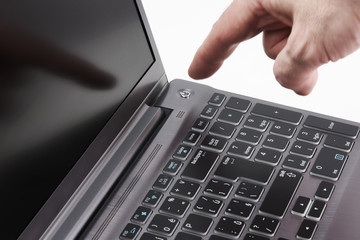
(301, 206)
(307, 229)
(316, 210)
(324, 191)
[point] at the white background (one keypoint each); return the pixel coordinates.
(180, 26)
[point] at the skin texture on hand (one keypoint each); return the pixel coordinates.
(299, 35)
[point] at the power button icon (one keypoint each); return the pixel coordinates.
(185, 93)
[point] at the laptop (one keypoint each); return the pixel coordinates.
(96, 143)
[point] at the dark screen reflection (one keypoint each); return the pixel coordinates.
(65, 67)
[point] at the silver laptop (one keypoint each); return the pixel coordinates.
(96, 144)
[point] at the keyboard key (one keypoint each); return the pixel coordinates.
(141, 214)
(301, 206)
(214, 143)
(303, 149)
(172, 167)
(238, 104)
(283, 129)
(163, 224)
(251, 236)
(296, 163)
(130, 231)
(162, 182)
(338, 142)
(310, 135)
(186, 236)
(281, 192)
(234, 168)
(182, 152)
(276, 142)
(174, 206)
(192, 138)
(197, 224)
(329, 163)
(307, 229)
(222, 129)
(209, 112)
(257, 123)
(249, 136)
(217, 99)
(208, 205)
(316, 210)
(264, 225)
(277, 113)
(185, 189)
(332, 126)
(200, 125)
(200, 165)
(218, 188)
(324, 190)
(268, 156)
(241, 149)
(214, 237)
(230, 226)
(152, 198)
(250, 191)
(239, 208)
(230, 116)
(149, 236)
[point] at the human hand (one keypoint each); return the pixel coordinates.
(299, 35)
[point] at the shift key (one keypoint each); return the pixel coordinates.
(281, 193)
(200, 165)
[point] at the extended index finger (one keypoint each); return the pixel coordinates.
(238, 23)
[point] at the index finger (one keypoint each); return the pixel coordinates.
(238, 23)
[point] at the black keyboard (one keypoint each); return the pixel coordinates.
(245, 193)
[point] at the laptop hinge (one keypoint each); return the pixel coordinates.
(99, 182)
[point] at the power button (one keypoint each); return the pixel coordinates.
(185, 93)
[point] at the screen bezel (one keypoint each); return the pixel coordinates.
(154, 77)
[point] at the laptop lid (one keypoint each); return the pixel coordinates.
(72, 74)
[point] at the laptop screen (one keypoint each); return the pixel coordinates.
(65, 67)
